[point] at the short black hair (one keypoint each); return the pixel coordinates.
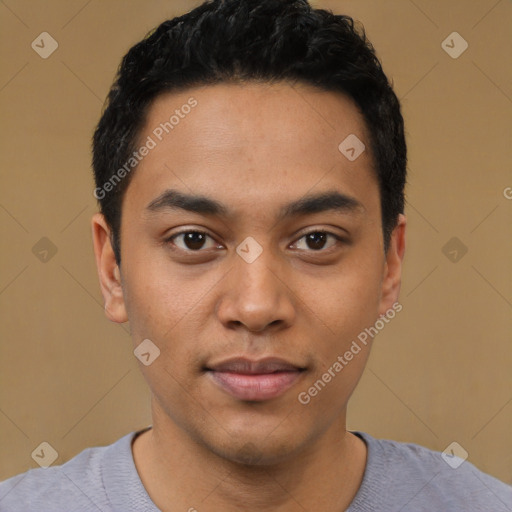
(235, 41)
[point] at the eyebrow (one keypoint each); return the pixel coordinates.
(307, 205)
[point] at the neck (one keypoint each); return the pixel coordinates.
(181, 474)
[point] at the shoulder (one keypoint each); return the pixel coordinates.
(77, 485)
(417, 478)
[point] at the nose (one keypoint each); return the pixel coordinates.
(256, 297)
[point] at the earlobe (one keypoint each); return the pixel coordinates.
(393, 267)
(108, 270)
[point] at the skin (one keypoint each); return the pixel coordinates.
(254, 148)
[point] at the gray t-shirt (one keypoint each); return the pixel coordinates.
(398, 477)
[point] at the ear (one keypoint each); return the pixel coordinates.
(108, 271)
(392, 277)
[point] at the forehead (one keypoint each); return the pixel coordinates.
(250, 143)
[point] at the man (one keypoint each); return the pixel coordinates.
(250, 169)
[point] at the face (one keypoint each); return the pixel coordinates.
(252, 257)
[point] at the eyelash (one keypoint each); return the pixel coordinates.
(338, 238)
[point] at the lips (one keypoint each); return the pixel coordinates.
(249, 380)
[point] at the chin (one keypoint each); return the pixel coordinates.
(255, 446)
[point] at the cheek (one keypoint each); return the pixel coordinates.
(168, 307)
(157, 295)
(343, 345)
(347, 301)
(150, 305)
(342, 348)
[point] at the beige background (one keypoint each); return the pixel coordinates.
(440, 372)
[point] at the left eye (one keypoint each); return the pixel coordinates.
(317, 240)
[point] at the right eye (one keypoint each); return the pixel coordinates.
(191, 241)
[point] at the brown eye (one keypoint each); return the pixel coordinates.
(192, 240)
(317, 241)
